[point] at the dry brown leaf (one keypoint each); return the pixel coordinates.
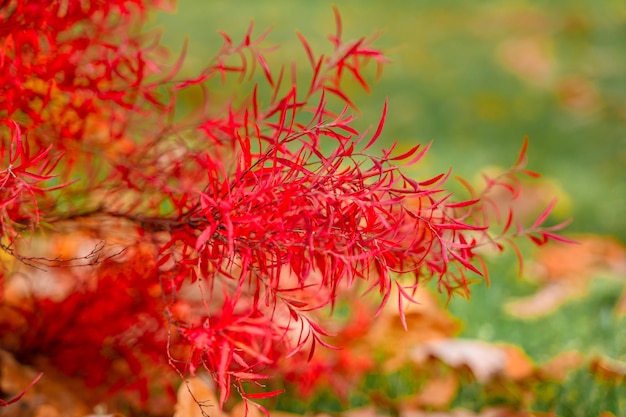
(547, 300)
(438, 392)
(610, 369)
(578, 94)
(558, 367)
(565, 272)
(196, 396)
(592, 254)
(484, 360)
(531, 58)
(518, 365)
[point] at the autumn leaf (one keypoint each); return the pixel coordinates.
(609, 369)
(485, 361)
(195, 398)
(560, 366)
(531, 58)
(437, 393)
(564, 273)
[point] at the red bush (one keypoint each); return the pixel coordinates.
(212, 240)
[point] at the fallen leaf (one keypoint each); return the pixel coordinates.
(592, 254)
(547, 300)
(558, 367)
(578, 94)
(564, 273)
(518, 365)
(609, 369)
(196, 398)
(484, 360)
(438, 392)
(531, 58)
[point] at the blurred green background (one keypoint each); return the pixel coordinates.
(473, 77)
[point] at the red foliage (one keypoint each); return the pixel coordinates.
(259, 212)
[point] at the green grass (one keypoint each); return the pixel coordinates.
(582, 395)
(447, 84)
(586, 324)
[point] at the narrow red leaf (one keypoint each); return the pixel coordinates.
(15, 399)
(544, 215)
(307, 48)
(261, 395)
(379, 128)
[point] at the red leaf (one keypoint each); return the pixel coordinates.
(4, 403)
(261, 395)
(379, 128)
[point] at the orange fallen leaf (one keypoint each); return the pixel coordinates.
(558, 367)
(484, 360)
(547, 299)
(578, 94)
(557, 262)
(518, 365)
(610, 369)
(438, 392)
(195, 398)
(531, 58)
(564, 272)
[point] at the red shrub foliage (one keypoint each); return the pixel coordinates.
(215, 238)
